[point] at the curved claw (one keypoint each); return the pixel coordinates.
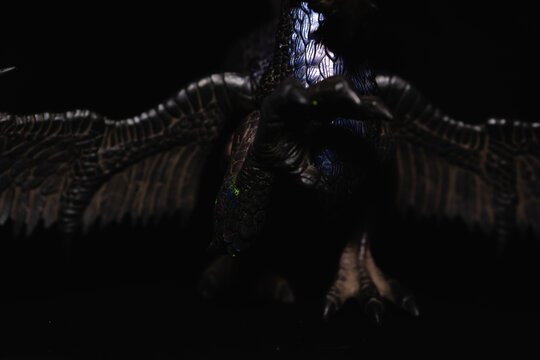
(6, 70)
(338, 97)
(335, 96)
(359, 278)
(373, 107)
(409, 305)
(329, 310)
(402, 297)
(374, 309)
(331, 306)
(310, 177)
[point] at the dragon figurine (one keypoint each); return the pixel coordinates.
(312, 115)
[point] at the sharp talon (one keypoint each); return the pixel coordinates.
(348, 92)
(359, 278)
(6, 70)
(374, 309)
(310, 176)
(329, 310)
(381, 110)
(409, 304)
(351, 94)
(374, 107)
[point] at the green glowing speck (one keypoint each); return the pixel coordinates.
(236, 191)
(315, 103)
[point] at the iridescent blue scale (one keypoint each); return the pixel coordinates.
(313, 62)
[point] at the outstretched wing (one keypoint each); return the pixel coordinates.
(77, 168)
(488, 175)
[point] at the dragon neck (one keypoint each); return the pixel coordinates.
(300, 53)
(311, 60)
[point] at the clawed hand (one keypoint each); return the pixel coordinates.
(293, 116)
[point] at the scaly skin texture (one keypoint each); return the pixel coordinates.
(325, 123)
(304, 108)
(240, 209)
(318, 116)
(71, 168)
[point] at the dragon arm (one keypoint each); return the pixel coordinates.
(487, 175)
(77, 167)
(277, 141)
(240, 208)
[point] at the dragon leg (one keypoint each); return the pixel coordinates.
(226, 273)
(359, 279)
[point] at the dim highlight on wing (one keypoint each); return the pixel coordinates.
(487, 175)
(78, 168)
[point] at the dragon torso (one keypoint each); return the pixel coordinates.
(309, 61)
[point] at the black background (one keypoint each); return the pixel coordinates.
(129, 292)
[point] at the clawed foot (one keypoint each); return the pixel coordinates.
(359, 279)
(227, 273)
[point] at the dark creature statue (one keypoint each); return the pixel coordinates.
(314, 116)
